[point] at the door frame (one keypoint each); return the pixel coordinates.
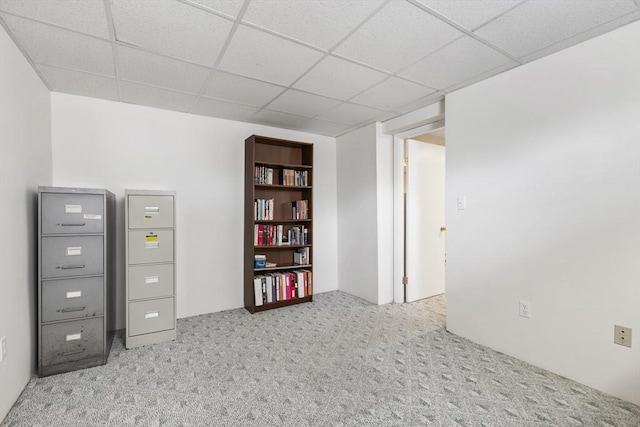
(398, 203)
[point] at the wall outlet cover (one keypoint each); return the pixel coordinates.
(622, 335)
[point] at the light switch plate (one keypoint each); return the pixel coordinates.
(462, 203)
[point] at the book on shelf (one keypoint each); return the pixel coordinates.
(277, 235)
(300, 209)
(276, 287)
(301, 256)
(263, 209)
(291, 177)
(263, 175)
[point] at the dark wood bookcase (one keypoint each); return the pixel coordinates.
(280, 156)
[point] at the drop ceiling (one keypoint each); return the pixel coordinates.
(325, 67)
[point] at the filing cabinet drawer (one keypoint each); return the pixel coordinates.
(150, 246)
(71, 341)
(150, 211)
(72, 298)
(72, 256)
(72, 213)
(151, 316)
(150, 281)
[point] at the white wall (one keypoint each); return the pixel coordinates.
(548, 156)
(357, 215)
(25, 163)
(99, 143)
(365, 214)
(384, 176)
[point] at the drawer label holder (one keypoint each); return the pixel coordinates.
(73, 337)
(151, 314)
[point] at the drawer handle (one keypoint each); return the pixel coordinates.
(69, 353)
(70, 267)
(82, 224)
(72, 309)
(151, 314)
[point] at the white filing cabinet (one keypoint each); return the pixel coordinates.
(76, 278)
(150, 267)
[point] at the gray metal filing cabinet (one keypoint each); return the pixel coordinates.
(150, 267)
(76, 278)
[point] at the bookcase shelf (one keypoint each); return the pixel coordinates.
(284, 187)
(283, 267)
(285, 210)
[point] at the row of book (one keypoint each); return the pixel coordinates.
(301, 256)
(282, 286)
(295, 178)
(263, 175)
(300, 209)
(263, 209)
(276, 235)
(291, 177)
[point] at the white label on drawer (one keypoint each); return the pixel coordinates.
(72, 208)
(151, 210)
(73, 337)
(151, 241)
(74, 250)
(92, 216)
(74, 294)
(151, 314)
(151, 279)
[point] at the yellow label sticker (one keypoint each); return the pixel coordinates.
(151, 239)
(148, 217)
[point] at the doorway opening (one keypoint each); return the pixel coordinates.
(420, 230)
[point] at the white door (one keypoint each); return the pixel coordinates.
(425, 241)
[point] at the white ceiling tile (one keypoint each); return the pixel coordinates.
(397, 36)
(302, 103)
(420, 103)
(86, 16)
(537, 24)
(242, 90)
(229, 7)
(337, 78)
(155, 70)
(152, 96)
(470, 14)
(321, 23)
(455, 63)
(256, 54)
(353, 114)
(483, 76)
(224, 110)
(392, 93)
(53, 46)
(79, 83)
(586, 35)
(323, 127)
(171, 28)
(278, 119)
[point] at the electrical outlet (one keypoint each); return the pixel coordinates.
(622, 335)
(525, 309)
(3, 346)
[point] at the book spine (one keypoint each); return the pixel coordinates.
(257, 290)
